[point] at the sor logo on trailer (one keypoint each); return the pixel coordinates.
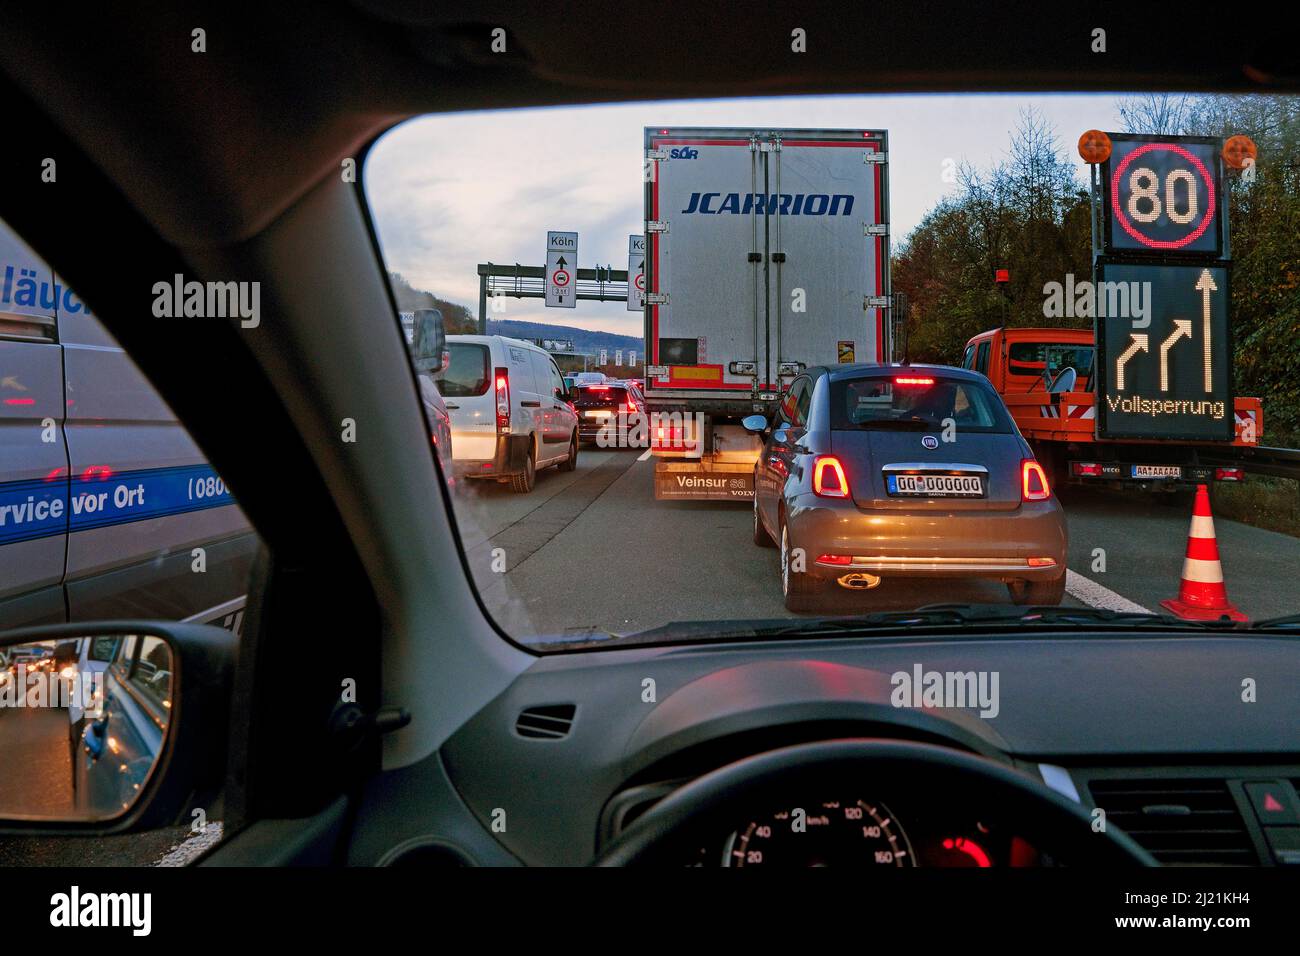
(684, 152)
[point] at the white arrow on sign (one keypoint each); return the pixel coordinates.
(1205, 285)
(1139, 344)
(1182, 329)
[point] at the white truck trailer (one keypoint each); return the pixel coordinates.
(767, 252)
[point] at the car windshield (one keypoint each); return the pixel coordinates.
(1036, 358)
(998, 352)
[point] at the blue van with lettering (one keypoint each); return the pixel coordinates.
(107, 507)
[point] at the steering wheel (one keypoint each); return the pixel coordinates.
(663, 834)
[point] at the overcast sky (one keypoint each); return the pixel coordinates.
(448, 192)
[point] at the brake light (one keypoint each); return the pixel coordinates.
(829, 480)
(1086, 469)
(502, 379)
(840, 559)
(630, 405)
(913, 380)
(1229, 474)
(1033, 481)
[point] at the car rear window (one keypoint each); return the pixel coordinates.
(467, 373)
(600, 395)
(927, 402)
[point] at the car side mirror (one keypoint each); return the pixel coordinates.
(429, 344)
(128, 736)
(755, 424)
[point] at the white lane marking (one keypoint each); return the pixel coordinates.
(1094, 595)
(645, 454)
(193, 846)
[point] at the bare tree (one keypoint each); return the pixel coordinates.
(1159, 114)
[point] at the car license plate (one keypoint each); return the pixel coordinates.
(603, 413)
(937, 486)
(1157, 471)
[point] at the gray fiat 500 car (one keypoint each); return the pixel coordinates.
(874, 471)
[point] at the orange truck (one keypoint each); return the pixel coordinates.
(1045, 376)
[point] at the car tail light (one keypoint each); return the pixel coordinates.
(1086, 469)
(1229, 474)
(913, 380)
(630, 405)
(502, 379)
(1033, 481)
(842, 559)
(1041, 562)
(829, 480)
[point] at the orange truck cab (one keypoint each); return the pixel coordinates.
(1045, 376)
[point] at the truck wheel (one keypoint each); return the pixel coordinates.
(761, 537)
(523, 482)
(571, 463)
(1038, 592)
(801, 590)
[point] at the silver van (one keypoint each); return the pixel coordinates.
(511, 413)
(107, 508)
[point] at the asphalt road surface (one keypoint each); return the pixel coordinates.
(592, 550)
(36, 779)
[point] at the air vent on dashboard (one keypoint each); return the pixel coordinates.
(551, 722)
(1180, 822)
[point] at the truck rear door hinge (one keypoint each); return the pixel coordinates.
(656, 225)
(656, 298)
(875, 229)
(770, 147)
(875, 302)
(790, 368)
(656, 155)
(743, 368)
(875, 159)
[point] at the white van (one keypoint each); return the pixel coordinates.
(510, 411)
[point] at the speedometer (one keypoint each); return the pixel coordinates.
(833, 833)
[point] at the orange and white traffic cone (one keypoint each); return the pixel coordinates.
(1202, 596)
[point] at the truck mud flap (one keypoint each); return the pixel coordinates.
(682, 481)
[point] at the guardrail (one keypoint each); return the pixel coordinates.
(1277, 462)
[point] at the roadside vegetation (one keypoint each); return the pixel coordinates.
(1271, 503)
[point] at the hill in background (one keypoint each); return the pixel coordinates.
(459, 320)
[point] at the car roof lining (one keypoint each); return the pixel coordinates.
(215, 145)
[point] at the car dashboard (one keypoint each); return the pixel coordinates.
(1174, 738)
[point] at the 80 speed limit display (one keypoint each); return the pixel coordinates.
(1162, 196)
